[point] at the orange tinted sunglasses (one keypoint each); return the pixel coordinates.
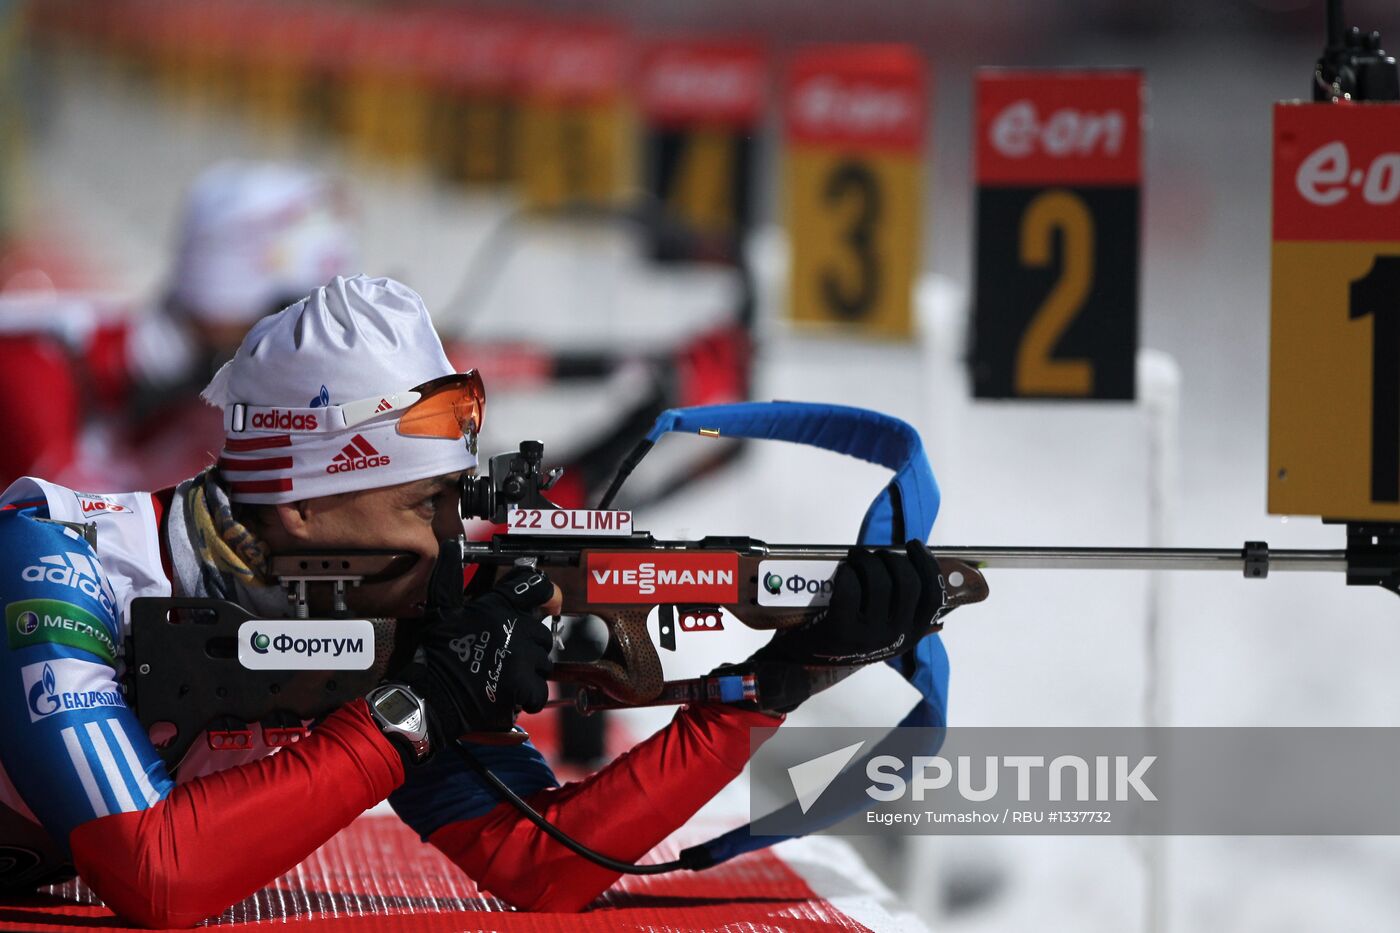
(449, 406)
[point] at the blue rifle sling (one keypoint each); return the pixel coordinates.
(904, 509)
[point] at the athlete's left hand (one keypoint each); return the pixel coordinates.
(882, 603)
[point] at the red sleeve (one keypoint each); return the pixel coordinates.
(40, 416)
(106, 365)
(219, 838)
(622, 811)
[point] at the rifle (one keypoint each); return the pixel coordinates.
(606, 568)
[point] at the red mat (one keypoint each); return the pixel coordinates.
(376, 875)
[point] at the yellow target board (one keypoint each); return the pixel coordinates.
(855, 118)
(701, 104)
(388, 96)
(572, 142)
(1334, 371)
(474, 68)
(274, 67)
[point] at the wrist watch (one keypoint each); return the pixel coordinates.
(402, 716)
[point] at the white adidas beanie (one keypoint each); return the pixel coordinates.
(256, 233)
(350, 340)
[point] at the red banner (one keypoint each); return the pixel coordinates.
(867, 96)
(1059, 127)
(1336, 172)
(478, 51)
(578, 64)
(652, 577)
(685, 83)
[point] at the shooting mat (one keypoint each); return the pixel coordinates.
(377, 876)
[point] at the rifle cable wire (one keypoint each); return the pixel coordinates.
(690, 859)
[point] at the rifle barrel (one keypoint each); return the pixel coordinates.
(1255, 559)
(1113, 558)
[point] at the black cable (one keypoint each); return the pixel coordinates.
(693, 859)
(625, 470)
(491, 256)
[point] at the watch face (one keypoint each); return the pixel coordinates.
(395, 706)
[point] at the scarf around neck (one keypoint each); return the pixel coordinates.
(214, 555)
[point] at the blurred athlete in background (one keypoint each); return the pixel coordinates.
(98, 396)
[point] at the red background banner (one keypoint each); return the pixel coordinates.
(1337, 172)
(682, 83)
(1059, 127)
(866, 96)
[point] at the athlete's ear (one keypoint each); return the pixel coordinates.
(292, 517)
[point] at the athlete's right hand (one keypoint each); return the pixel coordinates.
(480, 660)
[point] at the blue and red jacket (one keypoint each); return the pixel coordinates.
(83, 789)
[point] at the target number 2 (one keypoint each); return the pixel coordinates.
(1056, 214)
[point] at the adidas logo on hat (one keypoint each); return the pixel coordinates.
(359, 454)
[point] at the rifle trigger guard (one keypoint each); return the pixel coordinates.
(629, 670)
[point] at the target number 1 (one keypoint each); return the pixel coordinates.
(1377, 295)
(1334, 323)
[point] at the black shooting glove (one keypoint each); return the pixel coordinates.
(882, 603)
(479, 660)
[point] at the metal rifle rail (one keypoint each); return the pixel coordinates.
(1254, 559)
(1128, 558)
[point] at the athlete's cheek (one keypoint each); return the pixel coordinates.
(422, 538)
